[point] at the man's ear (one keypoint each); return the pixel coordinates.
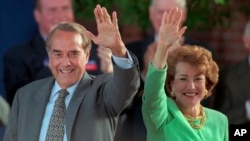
(36, 14)
(87, 55)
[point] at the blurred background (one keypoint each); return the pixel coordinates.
(218, 23)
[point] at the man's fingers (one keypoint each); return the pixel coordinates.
(106, 15)
(115, 21)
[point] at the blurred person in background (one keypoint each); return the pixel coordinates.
(233, 90)
(29, 61)
(4, 110)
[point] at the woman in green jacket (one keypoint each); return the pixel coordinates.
(178, 79)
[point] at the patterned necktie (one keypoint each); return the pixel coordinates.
(56, 126)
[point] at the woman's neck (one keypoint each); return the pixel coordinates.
(195, 111)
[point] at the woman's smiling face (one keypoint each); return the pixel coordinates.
(188, 85)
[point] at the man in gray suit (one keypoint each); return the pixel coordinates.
(233, 90)
(93, 103)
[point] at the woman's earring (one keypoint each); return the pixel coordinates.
(206, 94)
(172, 94)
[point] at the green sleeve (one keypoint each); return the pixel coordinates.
(154, 107)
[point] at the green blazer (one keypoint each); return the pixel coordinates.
(164, 120)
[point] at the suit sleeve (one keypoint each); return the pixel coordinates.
(120, 90)
(154, 100)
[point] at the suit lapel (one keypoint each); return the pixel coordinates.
(176, 112)
(38, 107)
(80, 93)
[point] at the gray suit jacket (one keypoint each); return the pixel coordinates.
(92, 113)
(232, 92)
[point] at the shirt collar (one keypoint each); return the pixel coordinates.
(56, 88)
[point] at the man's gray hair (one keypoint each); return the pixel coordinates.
(182, 3)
